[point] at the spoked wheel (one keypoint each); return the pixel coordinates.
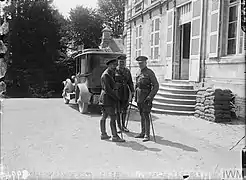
(83, 107)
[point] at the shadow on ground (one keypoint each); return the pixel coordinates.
(137, 146)
(160, 140)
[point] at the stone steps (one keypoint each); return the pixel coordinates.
(161, 99)
(176, 90)
(165, 111)
(177, 107)
(176, 97)
(179, 86)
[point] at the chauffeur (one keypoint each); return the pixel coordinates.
(146, 88)
(108, 100)
(125, 85)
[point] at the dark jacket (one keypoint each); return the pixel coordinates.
(108, 95)
(123, 79)
(146, 85)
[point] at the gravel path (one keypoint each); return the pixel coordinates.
(50, 139)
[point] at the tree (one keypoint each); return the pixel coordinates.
(113, 14)
(86, 26)
(34, 42)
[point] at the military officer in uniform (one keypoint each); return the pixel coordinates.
(145, 89)
(108, 100)
(125, 85)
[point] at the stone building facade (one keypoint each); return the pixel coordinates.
(196, 41)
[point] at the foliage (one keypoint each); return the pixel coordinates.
(34, 42)
(86, 26)
(113, 14)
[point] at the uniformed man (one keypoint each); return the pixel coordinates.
(125, 88)
(146, 88)
(108, 100)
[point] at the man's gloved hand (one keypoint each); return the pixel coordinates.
(147, 100)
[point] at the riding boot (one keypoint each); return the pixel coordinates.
(141, 135)
(118, 122)
(123, 116)
(115, 137)
(113, 126)
(147, 127)
(103, 129)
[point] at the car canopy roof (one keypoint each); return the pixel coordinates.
(96, 51)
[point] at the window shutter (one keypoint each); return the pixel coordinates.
(214, 19)
(196, 29)
(169, 50)
(134, 43)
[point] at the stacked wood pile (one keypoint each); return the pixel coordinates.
(214, 104)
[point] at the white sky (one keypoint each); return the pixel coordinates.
(64, 6)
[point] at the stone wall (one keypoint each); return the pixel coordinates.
(228, 73)
(240, 106)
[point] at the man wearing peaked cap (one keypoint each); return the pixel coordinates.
(109, 61)
(145, 89)
(121, 57)
(108, 100)
(125, 90)
(141, 58)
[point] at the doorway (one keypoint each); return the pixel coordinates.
(185, 30)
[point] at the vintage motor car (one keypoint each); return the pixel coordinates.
(86, 88)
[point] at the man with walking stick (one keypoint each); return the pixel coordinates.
(145, 89)
(108, 100)
(123, 79)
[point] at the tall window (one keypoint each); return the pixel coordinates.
(138, 40)
(155, 39)
(152, 1)
(235, 33)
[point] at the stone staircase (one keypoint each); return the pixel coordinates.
(176, 97)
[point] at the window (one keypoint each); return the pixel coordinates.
(235, 34)
(138, 40)
(155, 39)
(152, 1)
(138, 7)
(137, 1)
(232, 30)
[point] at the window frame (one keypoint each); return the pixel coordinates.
(239, 33)
(138, 38)
(154, 32)
(153, 1)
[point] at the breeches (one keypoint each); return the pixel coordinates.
(144, 110)
(122, 106)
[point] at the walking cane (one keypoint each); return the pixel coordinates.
(121, 124)
(152, 126)
(128, 114)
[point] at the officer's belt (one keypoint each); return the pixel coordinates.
(144, 87)
(122, 83)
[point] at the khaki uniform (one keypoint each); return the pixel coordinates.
(124, 85)
(108, 100)
(146, 88)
